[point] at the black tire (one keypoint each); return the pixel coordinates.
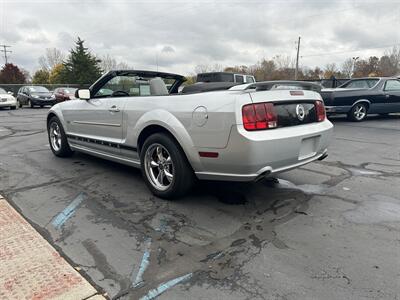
(13, 107)
(19, 104)
(358, 112)
(41, 106)
(183, 175)
(30, 104)
(64, 150)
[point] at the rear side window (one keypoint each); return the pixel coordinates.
(239, 78)
(392, 85)
(360, 84)
(249, 79)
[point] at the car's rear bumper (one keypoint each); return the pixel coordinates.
(8, 104)
(252, 155)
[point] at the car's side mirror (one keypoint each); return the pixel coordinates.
(83, 94)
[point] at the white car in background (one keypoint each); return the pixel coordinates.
(7, 99)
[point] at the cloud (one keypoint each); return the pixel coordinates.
(179, 35)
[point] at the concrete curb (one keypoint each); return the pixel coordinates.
(30, 268)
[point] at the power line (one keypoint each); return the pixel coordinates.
(5, 51)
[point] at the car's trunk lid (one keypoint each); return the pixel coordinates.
(292, 107)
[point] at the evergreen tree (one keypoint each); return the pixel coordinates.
(11, 74)
(81, 66)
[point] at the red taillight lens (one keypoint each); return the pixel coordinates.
(320, 109)
(259, 116)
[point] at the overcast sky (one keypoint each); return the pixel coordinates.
(183, 34)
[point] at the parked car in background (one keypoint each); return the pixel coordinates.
(35, 96)
(237, 133)
(362, 96)
(64, 93)
(7, 99)
(225, 77)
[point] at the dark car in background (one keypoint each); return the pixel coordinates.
(64, 93)
(362, 96)
(225, 77)
(35, 96)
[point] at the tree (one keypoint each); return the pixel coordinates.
(28, 77)
(81, 66)
(347, 67)
(11, 74)
(52, 58)
(41, 77)
(364, 68)
(55, 75)
(109, 63)
(331, 70)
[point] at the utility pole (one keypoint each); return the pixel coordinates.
(5, 51)
(297, 60)
(354, 65)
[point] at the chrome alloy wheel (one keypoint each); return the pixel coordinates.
(55, 136)
(359, 112)
(159, 167)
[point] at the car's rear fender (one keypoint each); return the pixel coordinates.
(171, 124)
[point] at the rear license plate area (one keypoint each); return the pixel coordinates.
(308, 147)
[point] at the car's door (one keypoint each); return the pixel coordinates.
(21, 95)
(392, 95)
(97, 123)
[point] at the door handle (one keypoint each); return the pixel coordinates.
(387, 96)
(113, 108)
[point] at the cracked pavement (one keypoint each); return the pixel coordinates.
(329, 230)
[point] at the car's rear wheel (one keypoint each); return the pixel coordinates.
(58, 139)
(358, 112)
(165, 167)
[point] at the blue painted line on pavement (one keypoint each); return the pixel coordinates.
(143, 265)
(63, 216)
(165, 286)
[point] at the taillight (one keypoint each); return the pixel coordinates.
(320, 109)
(259, 116)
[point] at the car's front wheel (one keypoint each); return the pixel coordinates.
(57, 138)
(165, 167)
(30, 103)
(358, 112)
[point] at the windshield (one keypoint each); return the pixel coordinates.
(3, 91)
(38, 89)
(360, 84)
(69, 91)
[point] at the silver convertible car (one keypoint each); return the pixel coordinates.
(212, 131)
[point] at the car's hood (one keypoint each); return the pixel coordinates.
(42, 95)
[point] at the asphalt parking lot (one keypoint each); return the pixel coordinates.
(329, 230)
